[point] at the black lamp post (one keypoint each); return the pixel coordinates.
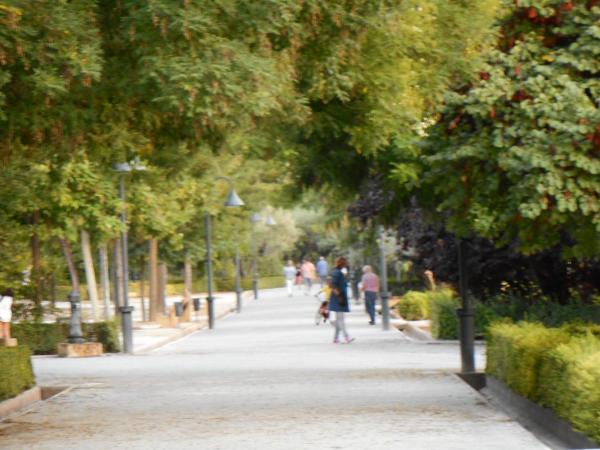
(233, 200)
(385, 295)
(256, 218)
(126, 310)
(466, 314)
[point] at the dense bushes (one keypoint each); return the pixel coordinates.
(43, 338)
(16, 373)
(439, 306)
(556, 367)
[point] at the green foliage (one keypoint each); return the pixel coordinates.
(16, 372)
(514, 353)
(514, 156)
(414, 305)
(43, 338)
(558, 368)
(106, 332)
(442, 306)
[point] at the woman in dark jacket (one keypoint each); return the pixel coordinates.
(338, 301)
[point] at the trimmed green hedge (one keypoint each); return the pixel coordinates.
(16, 373)
(556, 367)
(439, 306)
(43, 338)
(414, 305)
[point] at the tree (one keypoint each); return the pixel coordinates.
(515, 154)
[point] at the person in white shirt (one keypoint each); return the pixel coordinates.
(289, 272)
(6, 300)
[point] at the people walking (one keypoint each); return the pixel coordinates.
(289, 273)
(309, 273)
(370, 286)
(322, 270)
(338, 300)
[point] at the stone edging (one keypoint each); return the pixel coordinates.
(533, 416)
(23, 400)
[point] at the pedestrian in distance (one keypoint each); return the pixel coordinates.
(289, 273)
(298, 278)
(6, 301)
(338, 300)
(370, 287)
(322, 270)
(309, 273)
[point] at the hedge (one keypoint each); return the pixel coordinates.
(16, 373)
(43, 338)
(439, 306)
(558, 368)
(414, 305)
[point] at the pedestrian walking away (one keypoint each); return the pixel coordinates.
(370, 286)
(338, 300)
(309, 273)
(289, 273)
(322, 270)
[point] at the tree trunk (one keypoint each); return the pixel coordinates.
(118, 274)
(105, 281)
(36, 260)
(68, 253)
(90, 274)
(153, 280)
(162, 283)
(142, 288)
(187, 289)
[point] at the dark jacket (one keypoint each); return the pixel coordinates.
(339, 302)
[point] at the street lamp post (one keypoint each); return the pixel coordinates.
(385, 295)
(465, 314)
(232, 200)
(238, 284)
(126, 309)
(255, 218)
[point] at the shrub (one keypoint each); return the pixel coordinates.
(572, 370)
(43, 338)
(414, 305)
(442, 306)
(16, 373)
(556, 367)
(515, 353)
(105, 332)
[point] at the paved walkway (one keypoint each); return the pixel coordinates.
(267, 378)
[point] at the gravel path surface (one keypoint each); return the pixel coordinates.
(267, 378)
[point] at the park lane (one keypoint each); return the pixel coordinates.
(267, 378)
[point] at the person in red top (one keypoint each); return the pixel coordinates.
(370, 286)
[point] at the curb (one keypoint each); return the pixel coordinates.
(20, 402)
(189, 329)
(167, 340)
(543, 422)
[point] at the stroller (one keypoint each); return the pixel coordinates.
(322, 313)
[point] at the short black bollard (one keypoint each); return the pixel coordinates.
(178, 309)
(75, 333)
